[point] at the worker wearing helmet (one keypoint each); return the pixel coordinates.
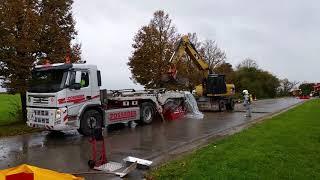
(247, 102)
(84, 79)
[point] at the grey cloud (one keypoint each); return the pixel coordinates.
(283, 36)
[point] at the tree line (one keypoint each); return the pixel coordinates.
(155, 43)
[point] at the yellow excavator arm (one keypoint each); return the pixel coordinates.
(186, 46)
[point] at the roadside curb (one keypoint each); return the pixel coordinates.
(204, 140)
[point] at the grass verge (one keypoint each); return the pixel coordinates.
(16, 128)
(10, 122)
(284, 147)
(9, 105)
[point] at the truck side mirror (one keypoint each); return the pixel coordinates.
(78, 77)
(99, 78)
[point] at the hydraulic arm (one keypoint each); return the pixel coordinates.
(186, 46)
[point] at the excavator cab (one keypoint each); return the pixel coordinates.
(215, 84)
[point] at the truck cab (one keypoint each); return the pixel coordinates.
(58, 93)
(68, 96)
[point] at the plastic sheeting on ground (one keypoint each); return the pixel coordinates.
(27, 172)
(192, 106)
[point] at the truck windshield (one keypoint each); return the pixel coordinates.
(47, 81)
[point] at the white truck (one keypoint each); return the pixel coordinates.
(68, 96)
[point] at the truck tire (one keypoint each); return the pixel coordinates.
(222, 105)
(147, 112)
(230, 105)
(91, 119)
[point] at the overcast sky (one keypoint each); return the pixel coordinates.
(282, 36)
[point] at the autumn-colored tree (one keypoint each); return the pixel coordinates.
(32, 30)
(153, 47)
(57, 29)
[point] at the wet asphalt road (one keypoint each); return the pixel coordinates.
(69, 152)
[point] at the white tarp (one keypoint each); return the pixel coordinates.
(192, 106)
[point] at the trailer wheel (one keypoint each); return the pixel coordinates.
(147, 113)
(230, 105)
(91, 119)
(222, 105)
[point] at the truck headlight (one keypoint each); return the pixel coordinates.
(58, 114)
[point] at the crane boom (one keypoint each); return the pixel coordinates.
(186, 46)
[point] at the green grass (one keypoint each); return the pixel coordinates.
(284, 147)
(8, 106)
(10, 124)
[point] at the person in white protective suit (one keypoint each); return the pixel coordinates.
(247, 102)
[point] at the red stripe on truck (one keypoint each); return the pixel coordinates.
(61, 101)
(93, 97)
(75, 99)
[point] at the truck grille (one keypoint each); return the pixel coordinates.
(41, 112)
(41, 120)
(40, 100)
(41, 116)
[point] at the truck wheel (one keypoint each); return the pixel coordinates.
(91, 119)
(230, 105)
(147, 113)
(222, 105)
(91, 164)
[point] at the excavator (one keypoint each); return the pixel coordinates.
(214, 93)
